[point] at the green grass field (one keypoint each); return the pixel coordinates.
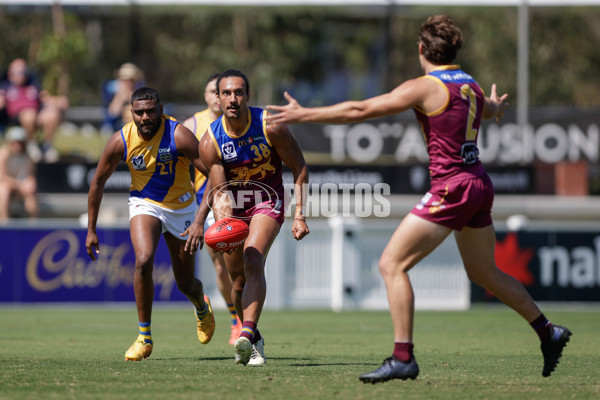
(485, 353)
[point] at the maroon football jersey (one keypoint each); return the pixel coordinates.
(451, 132)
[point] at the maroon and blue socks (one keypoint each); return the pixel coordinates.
(249, 331)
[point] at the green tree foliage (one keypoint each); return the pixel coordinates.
(321, 54)
(565, 56)
(57, 53)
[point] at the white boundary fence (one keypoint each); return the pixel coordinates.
(336, 267)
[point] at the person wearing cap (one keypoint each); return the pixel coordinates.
(17, 174)
(117, 95)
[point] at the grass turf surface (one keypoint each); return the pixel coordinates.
(485, 353)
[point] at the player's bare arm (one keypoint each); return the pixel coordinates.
(216, 175)
(187, 143)
(110, 158)
(189, 123)
(195, 232)
(288, 149)
(195, 241)
(494, 106)
(408, 95)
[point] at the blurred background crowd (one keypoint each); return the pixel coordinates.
(67, 73)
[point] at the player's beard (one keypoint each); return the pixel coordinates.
(234, 113)
(150, 129)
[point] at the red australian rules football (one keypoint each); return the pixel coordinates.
(226, 234)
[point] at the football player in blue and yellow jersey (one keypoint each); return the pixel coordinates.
(244, 157)
(198, 124)
(449, 105)
(158, 151)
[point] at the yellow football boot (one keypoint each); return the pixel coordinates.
(138, 350)
(206, 325)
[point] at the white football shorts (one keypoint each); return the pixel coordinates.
(210, 220)
(173, 221)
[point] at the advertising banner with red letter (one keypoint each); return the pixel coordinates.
(552, 265)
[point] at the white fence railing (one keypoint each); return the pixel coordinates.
(336, 267)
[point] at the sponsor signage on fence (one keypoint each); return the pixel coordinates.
(39, 265)
(391, 150)
(400, 179)
(552, 135)
(553, 266)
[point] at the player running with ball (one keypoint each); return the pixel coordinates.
(244, 157)
(449, 105)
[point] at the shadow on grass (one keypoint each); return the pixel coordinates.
(328, 364)
(293, 364)
(189, 359)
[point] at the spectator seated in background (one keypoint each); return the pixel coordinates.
(26, 104)
(116, 96)
(17, 174)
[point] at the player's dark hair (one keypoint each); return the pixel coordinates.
(233, 73)
(441, 39)
(145, 93)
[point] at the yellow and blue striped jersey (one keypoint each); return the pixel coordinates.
(202, 120)
(158, 172)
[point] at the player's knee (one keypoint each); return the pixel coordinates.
(144, 266)
(387, 266)
(238, 281)
(238, 288)
(220, 269)
(478, 276)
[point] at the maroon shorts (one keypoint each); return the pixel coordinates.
(273, 209)
(458, 203)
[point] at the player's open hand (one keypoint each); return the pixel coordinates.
(195, 234)
(299, 229)
(500, 102)
(289, 114)
(91, 245)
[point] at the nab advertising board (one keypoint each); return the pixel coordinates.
(40, 265)
(553, 266)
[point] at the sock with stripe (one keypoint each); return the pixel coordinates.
(201, 313)
(249, 331)
(542, 327)
(145, 331)
(232, 313)
(403, 351)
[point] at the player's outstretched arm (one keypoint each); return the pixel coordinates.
(293, 112)
(495, 105)
(405, 96)
(110, 158)
(288, 149)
